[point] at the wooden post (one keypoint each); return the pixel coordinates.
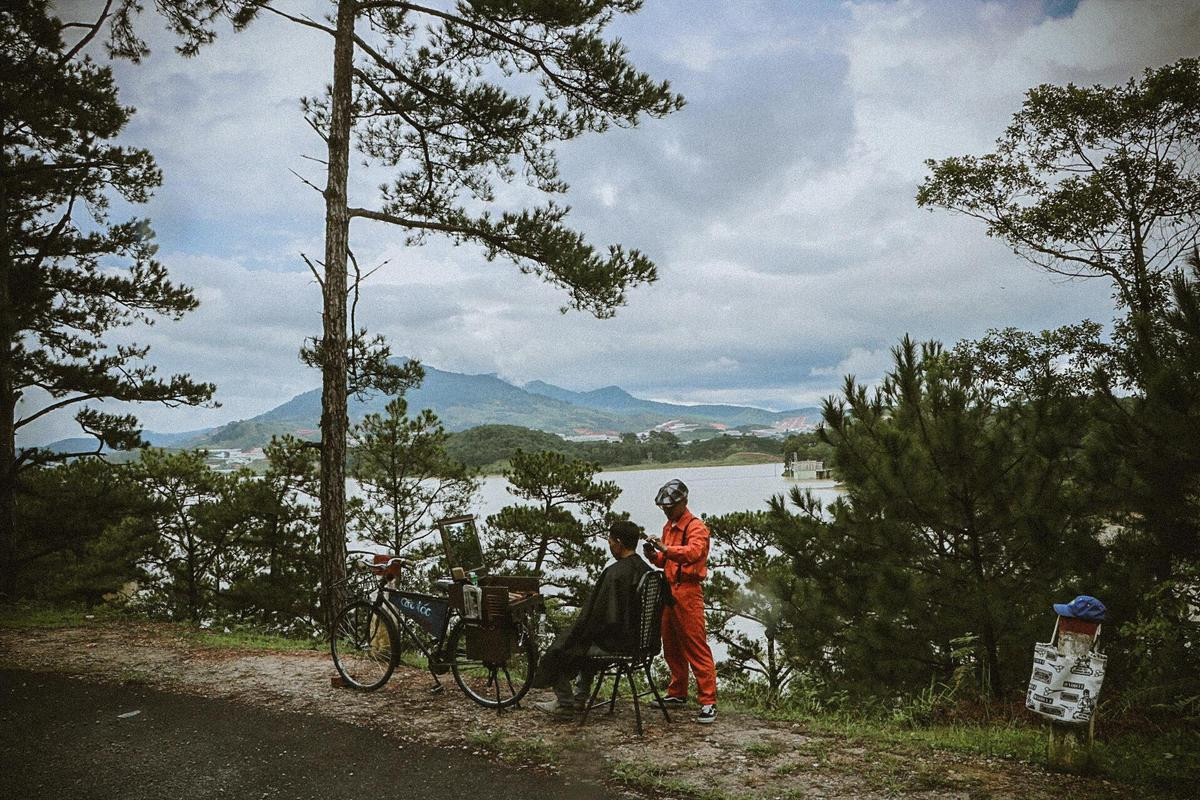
(1069, 747)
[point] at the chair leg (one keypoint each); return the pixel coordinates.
(612, 701)
(592, 700)
(654, 688)
(637, 705)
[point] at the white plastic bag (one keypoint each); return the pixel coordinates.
(1065, 688)
(472, 601)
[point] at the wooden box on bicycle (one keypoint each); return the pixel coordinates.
(505, 598)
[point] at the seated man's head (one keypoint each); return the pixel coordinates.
(623, 537)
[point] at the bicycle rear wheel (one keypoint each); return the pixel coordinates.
(365, 646)
(493, 684)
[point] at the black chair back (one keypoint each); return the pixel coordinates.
(651, 594)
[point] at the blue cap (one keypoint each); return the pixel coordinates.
(1083, 607)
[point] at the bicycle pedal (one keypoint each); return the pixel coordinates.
(437, 689)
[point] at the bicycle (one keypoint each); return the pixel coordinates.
(492, 658)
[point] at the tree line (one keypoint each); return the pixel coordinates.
(490, 446)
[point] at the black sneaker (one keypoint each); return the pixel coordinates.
(670, 702)
(707, 715)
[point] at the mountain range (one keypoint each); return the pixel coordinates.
(464, 401)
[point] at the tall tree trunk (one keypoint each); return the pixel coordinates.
(8, 402)
(334, 420)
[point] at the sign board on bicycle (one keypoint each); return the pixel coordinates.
(428, 612)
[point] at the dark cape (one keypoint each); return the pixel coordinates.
(607, 623)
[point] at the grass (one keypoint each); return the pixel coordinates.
(39, 617)
(515, 748)
(768, 748)
(661, 778)
(249, 639)
(1165, 764)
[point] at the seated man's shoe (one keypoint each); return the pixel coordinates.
(671, 703)
(707, 715)
(554, 707)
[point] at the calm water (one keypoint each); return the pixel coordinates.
(712, 490)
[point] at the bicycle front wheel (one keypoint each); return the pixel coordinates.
(493, 684)
(365, 646)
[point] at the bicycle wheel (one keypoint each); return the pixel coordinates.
(364, 646)
(493, 684)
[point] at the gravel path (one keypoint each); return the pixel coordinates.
(738, 757)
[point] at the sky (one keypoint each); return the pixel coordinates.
(778, 204)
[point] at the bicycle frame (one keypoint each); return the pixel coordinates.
(430, 612)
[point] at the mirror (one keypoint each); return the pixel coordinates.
(460, 541)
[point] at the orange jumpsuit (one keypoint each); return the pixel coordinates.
(684, 638)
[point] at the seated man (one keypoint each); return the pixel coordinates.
(608, 622)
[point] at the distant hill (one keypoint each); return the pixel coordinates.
(465, 401)
(616, 399)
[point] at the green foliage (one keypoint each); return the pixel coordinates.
(1144, 462)
(960, 517)
(71, 275)
(544, 537)
(198, 518)
(432, 102)
(1103, 181)
(80, 532)
(1091, 181)
(752, 580)
(274, 573)
(407, 477)
(493, 444)
(807, 447)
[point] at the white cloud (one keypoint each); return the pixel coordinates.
(778, 204)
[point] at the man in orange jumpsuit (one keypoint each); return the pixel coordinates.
(682, 552)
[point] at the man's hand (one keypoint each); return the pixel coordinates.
(651, 545)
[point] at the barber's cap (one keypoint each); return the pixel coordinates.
(672, 492)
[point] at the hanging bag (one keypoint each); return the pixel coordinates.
(1065, 688)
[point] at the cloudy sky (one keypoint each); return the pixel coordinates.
(778, 204)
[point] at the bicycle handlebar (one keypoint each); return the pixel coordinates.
(393, 561)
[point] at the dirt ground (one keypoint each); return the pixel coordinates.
(737, 757)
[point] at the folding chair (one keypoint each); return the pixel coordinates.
(652, 592)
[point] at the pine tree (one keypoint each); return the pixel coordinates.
(544, 537)
(200, 526)
(274, 578)
(970, 496)
(407, 478)
(438, 95)
(68, 275)
(1093, 181)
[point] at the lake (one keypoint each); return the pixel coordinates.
(712, 490)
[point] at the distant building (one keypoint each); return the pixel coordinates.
(806, 470)
(593, 437)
